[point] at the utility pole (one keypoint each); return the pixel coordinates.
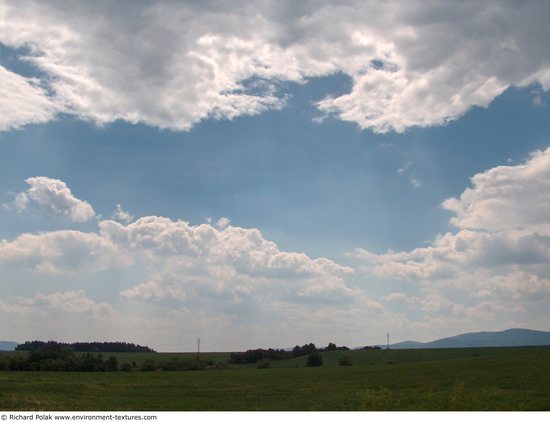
(388, 335)
(198, 346)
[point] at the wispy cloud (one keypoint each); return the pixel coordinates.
(122, 215)
(403, 169)
(415, 183)
(408, 169)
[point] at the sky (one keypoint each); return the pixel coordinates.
(273, 173)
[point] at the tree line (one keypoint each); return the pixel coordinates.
(97, 347)
(256, 355)
(56, 358)
(59, 359)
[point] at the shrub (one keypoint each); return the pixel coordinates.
(54, 365)
(314, 359)
(195, 365)
(18, 363)
(126, 367)
(89, 363)
(111, 364)
(149, 365)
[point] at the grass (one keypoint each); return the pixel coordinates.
(444, 379)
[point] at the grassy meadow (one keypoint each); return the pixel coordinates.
(431, 379)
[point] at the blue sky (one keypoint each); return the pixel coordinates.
(311, 170)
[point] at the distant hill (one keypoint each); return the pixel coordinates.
(507, 338)
(8, 345)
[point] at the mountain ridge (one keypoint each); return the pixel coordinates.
(513, 337)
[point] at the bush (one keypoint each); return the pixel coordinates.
(148, 365)
(89, 363)
(111, 364)
(18, 363)
(3, 364)
(314, 359)
(345, 361)
(126, 367)
(54, 365)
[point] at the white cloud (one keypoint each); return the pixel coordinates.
(64, 251)
(173, 64)
(507, 197)
(54, 197)
(23, 101)
(231, 275)
(122, 215)
(192, 264)
(223, 223)
(70, 302)
(223, 269)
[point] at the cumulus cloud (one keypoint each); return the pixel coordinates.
(495, 266)
(203, 271)
(173, 64)
(506, 197)
(63, 251)
(230, 264)
(230, 269)
(54, 197)
(223, 223)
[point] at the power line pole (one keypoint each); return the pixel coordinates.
(388, 341)
(198, 346)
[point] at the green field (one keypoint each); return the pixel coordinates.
(437, 379)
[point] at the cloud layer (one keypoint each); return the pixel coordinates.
(173, 64)
(241, 290)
